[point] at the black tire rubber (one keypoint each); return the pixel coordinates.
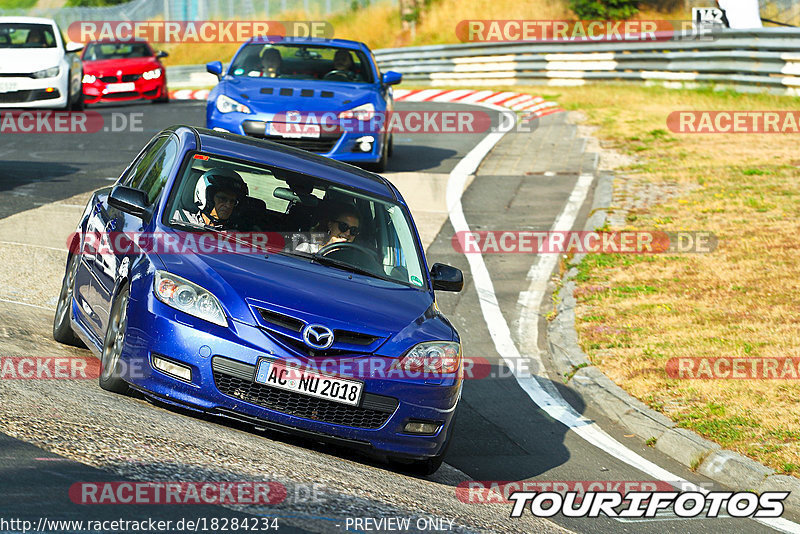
(390, 146)
(430, 465)
(62, 327)
(78, 105)
(110, 376)
(164, 99)
(380, 166)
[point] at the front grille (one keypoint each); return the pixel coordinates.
(280, 319)
(231, 378)
(321, 145)
(126, 94)
(108, 79)
(28, 95)
(16, 75)
(130, 77)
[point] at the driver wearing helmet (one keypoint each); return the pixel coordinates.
(342, 227)
(217, 194)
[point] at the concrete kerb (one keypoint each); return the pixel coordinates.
(726, 467)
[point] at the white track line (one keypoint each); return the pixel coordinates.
(34, 246)
(26, 304)
(550, 401)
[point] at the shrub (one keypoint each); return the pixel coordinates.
(604, 9)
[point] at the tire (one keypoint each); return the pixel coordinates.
(78, 104)
(113, 343)
(390, 146)
(62, 327)
(163, 99)
(380, 166)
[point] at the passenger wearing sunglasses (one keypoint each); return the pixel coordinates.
(341, 227)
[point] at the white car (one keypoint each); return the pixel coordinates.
(38, 69)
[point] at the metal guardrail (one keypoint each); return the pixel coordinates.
(744, 60)
(747, 61)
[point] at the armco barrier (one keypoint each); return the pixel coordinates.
(744, 60)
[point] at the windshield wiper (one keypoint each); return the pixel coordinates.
(192, 227)
(324, 260)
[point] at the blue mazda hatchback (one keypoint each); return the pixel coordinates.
(255, 281)
(274, 81)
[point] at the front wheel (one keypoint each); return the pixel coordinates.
(110, 375)
(62, 326)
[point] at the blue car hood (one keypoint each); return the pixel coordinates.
(308, 291)
(339, 96)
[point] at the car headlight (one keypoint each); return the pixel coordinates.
(431, 357)
(364, 112)
(187, 297)
(226, 104)
(47, 73)
(89, 78)
(152, 74)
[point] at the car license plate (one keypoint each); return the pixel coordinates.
(294, 129)
(306, 382)
(7, 86)
(120, 87)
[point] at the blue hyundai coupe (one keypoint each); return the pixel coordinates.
(259, 282)
(275, 81)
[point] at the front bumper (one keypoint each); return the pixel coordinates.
(50, 93)
(221, 358)
(341, 146)
(140, 89)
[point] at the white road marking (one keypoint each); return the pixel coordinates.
(34, 246)
(26, 304)
(550, 401)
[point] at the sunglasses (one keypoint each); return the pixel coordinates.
(344, 227)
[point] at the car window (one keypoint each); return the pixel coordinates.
(26, 35)
(137, 172)
(311, 214)
(303, 62)
(156, 176)
(122, 50)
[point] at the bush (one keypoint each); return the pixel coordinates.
(604, 9)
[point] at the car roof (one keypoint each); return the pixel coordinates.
(342, 43)
(30, 20)
(290, 158)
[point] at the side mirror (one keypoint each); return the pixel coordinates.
(215, 67)
(129, 200)
(73, 47)
(161, 54)
(392, 78)
(446, 278)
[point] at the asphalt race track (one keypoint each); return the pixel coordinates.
(55, 433)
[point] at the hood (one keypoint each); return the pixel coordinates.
(303, 290)
(263, 95)
(27, 60)
(127, 66)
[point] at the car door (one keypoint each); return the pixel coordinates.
(86, 285)
(150, 177)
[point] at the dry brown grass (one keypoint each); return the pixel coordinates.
(379, 25)
(637, 312)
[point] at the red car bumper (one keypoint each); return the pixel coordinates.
(100, 91)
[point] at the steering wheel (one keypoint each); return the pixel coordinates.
(370, 255)
(346, 74)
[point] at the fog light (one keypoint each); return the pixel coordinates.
(422, 427)
(365, 143)
(49, 89)
(172, 368)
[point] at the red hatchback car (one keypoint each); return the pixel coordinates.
(116, 71)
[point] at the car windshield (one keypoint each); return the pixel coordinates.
(303, 62)
(312, 218)
(98, 51)
(24, 35)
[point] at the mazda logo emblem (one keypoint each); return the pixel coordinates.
(317, 336)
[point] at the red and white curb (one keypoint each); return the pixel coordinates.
(531, 106)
